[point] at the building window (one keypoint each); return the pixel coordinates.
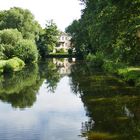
(62, 37)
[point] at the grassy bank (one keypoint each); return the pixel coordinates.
(130, 74)
(60, 55)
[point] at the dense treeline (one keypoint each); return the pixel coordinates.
(21, 36)
(109, 28)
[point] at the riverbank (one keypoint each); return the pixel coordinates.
(60, 55)
(130, 74)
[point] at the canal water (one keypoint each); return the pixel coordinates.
(64, 99)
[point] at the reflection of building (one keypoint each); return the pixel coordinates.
(63, 66)
(64, 42)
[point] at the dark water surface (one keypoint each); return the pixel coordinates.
(66, 100)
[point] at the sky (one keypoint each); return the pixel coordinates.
(63, 12)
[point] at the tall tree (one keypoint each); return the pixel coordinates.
(111, 27)
(22, 20)
(48, 38)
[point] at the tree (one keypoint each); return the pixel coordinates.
(48, 38)
(8, 41)
(110, 27)
(22, 20)
(26, 50)
(13, 44)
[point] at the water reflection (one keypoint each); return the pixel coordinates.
(20, 88)
(112, 106)
(53, 70)
(66, 100)
(44, 115)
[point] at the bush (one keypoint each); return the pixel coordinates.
(12, 44)
(112, 66)
(10, 36)
(96, 60)
(60, 50)
(2, 64)
(14, 64)
(2, 55)
(8, 40)
(26, 50)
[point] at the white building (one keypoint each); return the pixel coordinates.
(64, 42)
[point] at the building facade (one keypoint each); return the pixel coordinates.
(64, 42)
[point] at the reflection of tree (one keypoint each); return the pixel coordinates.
(25, 98)
(20, 88)
(49, 71)
(113, 107)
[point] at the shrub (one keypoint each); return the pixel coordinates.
(2, 55)
(96, 60)
(112, 66)
(26, 50)
(60, 50)
(2, 64)
(8, 40)
(14, 64)
(8, 51)
(130, 75)
(12, 44)
(10, 36)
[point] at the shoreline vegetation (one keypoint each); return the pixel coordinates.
(13, 64)
(128, 73)
(22, 40)
(92, 38)
(108, 36)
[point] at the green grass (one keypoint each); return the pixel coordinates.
(130, 74)
(64, 53)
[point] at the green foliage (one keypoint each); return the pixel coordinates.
(26, 50)
(109, 26)
(22, 20)
(96, 60)
(16, 26)
(2, 55)
(112, 66)
(79, 36)
(10, 36)
(14, 64)
(48, 39)
(2, 65)
(130, 75)
(12, 44)
(8, 40)
(60, 51)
